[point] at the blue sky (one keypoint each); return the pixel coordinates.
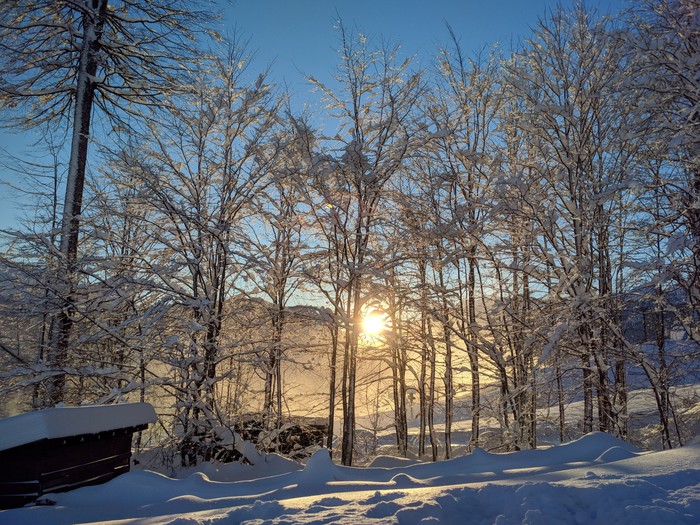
(298, 38)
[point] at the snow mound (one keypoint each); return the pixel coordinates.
(593, 444)
(391, 462)
(267, 465)
(404, 480)
(615, 454)
(588, 448)
(319, 469)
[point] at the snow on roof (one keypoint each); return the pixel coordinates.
(54, 423)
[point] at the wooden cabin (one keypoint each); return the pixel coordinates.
(60, 449)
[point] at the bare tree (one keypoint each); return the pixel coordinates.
(200, 175)
(463, 109)
(274, 254)
(665, 39)
(373, 106)
(567, 77)
(64, 60)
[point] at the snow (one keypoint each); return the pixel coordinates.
(72, 421)
(596, 479)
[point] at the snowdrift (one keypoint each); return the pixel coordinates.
(597, 479)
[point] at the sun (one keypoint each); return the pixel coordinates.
(373, 324)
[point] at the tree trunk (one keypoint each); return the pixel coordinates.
(422, 388)
(351, 375)
(332, 386)
(473, 354)
(605, 409)
(532, 412)
(621, 398)
(587, 394)
(399, 389)
(661, 387)
(448, 381)
(431, 395)
(449, 393)
(422, 380)
(273, 374)
(62, 322)
(560, 402)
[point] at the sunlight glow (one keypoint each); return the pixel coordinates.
(373, 324)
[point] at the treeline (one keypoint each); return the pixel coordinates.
(527, 224)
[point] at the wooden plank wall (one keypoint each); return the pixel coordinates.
(57, 465)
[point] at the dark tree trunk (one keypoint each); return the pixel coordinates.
(62, 322)
(422, 380)
(332, 385)
(431, 395)
(473, 354)
(587, 394)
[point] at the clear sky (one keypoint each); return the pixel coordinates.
(298, 38)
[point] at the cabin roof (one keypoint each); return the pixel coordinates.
(53, 423)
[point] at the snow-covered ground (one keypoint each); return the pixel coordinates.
(594, 480)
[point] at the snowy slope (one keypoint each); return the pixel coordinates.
(594, 480)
